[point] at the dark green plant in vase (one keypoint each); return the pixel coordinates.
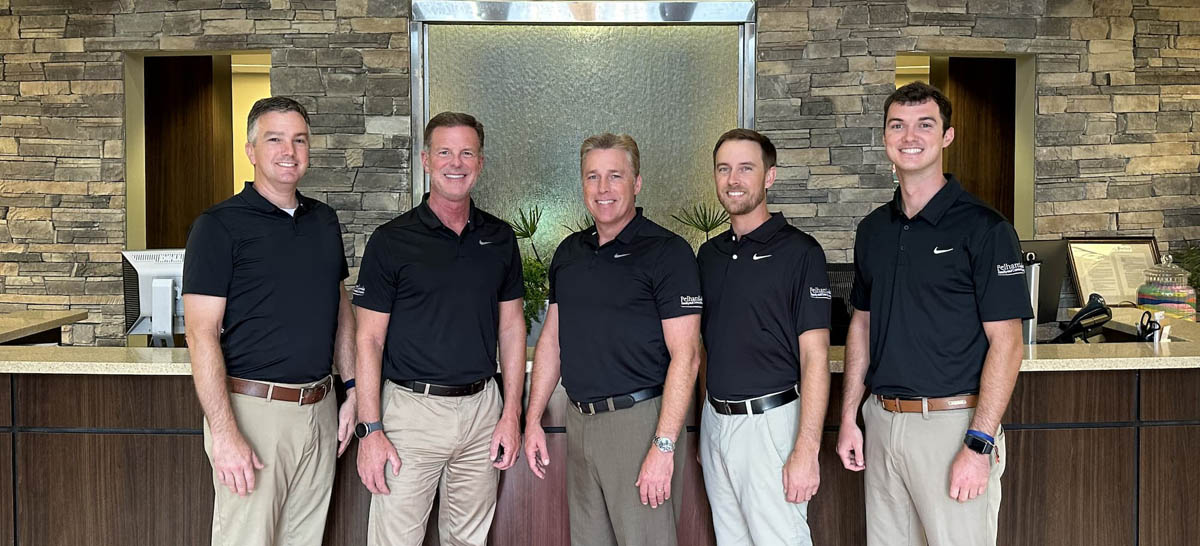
(1189, 259)
(703, 218)
(533, 268)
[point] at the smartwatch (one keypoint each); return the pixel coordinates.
(665, 445)
(362, 430)
(978, 445)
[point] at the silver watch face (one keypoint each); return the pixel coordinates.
(664, 444)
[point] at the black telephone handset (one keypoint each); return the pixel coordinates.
(1086, 323)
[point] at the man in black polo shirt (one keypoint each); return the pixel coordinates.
(439, 287)
(266, 315)
(623, 328)
(766, 331)
(939, 294)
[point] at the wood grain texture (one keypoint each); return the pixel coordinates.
(1169, 508)
(1170, 395)
(113, 489)
(531, 511)
(837, 514)
(1069, 487)
(107, 401)
(5, 401)
(1073, 397)
(6, 492)
(983, 95)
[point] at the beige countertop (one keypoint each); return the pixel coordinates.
(19, 324)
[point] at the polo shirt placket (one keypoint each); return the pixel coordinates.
(761, 292)
(612, 299)
(442, 291)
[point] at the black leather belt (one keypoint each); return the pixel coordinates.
(444, 390)
(617, 402)
(754, 405)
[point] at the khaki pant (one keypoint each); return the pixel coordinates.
(297, 446)
(743, 458)
(908, 458)
(443, 443)
(604, 457)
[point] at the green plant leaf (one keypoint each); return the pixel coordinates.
(703, 218)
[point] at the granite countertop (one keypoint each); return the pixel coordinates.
(1038, 358)
(19, 324)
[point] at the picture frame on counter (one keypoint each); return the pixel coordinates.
(1113, 267)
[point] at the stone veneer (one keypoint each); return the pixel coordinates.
(1118, 86)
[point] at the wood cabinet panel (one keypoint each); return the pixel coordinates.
(6, 492)
(837, 514)
(1171, 395)
(5, 400)
(107, 401)
(1169, 506)
(1069, 487)
(1072, 397)
(113, 489)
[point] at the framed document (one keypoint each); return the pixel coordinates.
(1113, 267)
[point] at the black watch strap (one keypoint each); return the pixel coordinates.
(362, 430)
(978, 445)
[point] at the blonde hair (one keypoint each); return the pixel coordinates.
(609, 141)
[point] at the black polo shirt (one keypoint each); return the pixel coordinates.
(281, 277)
(612, 299)
(443, 291)
(760, 293)
(930, 283)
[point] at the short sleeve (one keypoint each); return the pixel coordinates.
(811, 297)
(514, 279)
(677, 281)
(555, 264)
(376, 288)
(1001, 292)
(860, 293)
(208, 258)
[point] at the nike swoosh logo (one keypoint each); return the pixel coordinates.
(481, 243)
(937, 250)
(620, 255)
(757, 257)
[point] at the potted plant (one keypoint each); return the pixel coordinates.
(703, 218)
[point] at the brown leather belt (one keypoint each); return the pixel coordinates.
(303, 395)
(904, 405)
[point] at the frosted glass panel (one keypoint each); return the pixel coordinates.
(540, 90)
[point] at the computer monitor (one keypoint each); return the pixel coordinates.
(1053, 255)
(153, 294)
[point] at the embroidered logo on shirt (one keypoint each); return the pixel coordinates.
(358, 290)
(621, 255)
(691, 302)
(1008, 270)
(757, 257)
(482, 242)
(937, 250)
(818, 293)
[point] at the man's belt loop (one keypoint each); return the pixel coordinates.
(925, 408)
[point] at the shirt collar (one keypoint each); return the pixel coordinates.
(768, 229)
(937, 205)
(627, 234)
(431, 220)
(251, 196)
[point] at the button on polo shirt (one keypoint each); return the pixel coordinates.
(612, 299)
(443, 291)
(280, 276)
(930, 282)
(761, 291)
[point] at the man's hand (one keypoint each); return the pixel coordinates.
(850, 447)
(346, 421)
(654, 480)
(969, 474)
(535, 450)
(801, 476)
(507, 434)
(374, 453)
(234, 462)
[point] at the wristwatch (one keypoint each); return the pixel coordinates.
(978, 445)
(665, 445)
(362, 430)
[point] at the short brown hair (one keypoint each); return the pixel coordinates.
(768, 148)
(916, 93)
(609, 141)
(271, 104)
(452, 119)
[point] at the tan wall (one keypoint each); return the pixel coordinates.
(1115, 141)
(251, 81)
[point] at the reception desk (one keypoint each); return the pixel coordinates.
(102, 446)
